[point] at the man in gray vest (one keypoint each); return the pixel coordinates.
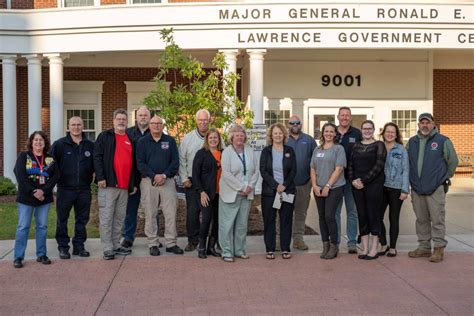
(303, 145)
(433, 161)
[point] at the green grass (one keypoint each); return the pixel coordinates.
(9, 220)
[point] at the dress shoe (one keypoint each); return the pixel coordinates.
(43, 260)
(123, 251)
(64, 254)
(367, 257)
(154, 251)
(189, 247)
(202, 253)
(418, 253)
(361, 256)
(211, 247)
(18, 263)
(109, 255)
(392, 253)
(81, 253)
(175, 249)
(383, 252)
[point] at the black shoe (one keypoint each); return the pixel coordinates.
(127, 243)
(64, 254)
(202, 253)
(160, 245)
(43, 260)
(361, 256)
(189, 247)
(81, 253)
(175, 249)
(371, 257)
(211, 247)
(384, 252)
(154, 251)
(18, 263)
(109, 255)
(123, 251)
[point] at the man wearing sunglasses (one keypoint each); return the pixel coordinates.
(303, 145)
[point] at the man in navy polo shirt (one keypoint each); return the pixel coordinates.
(158, 162)
(347, 136)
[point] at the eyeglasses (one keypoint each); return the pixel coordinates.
(367, 129)
(295, 123)
(156, 123)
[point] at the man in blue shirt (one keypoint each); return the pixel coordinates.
(158, 162)
(303, 145)
(347, 136)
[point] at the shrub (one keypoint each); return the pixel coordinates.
(7, 187)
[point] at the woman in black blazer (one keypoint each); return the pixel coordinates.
(278, 170)
(206, 175)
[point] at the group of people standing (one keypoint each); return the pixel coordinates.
(137, 165)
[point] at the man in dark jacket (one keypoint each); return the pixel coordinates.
(433, 161)
(114, 161)
(74, 157)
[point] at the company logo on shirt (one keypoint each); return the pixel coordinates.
(352, 140)
(165, 145)
(87, 153)
(434, 146)
(127, 142)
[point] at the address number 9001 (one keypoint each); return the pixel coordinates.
(338, 80)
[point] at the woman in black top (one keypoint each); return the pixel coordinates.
(278, 170)
(366, 173)
(36, 174)
(206, 175)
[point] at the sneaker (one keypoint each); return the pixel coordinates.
(352, 249)
(127, 243)
(189, 247)
(43, 260)
(175, 249)
(81, 253)
(154, 251)
(122, 251)
(300, 245)
(109, 255)
(418, 253)
(18, 263)
(64, 254)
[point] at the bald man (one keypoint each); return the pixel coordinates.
(74, 156)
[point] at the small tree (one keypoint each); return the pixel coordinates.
(211, 90)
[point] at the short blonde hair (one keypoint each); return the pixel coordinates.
(237, 129)
(270, 131)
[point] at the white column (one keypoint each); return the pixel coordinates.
(230, 56)
(256, 83)
(56, 95)
(9, 115)
(34, 92)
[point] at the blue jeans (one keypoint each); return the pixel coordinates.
(351, 211)
(25, 213)
(130, 222)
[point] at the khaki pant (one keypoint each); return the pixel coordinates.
(112, 209)
(430, 218)
(301, 208)
(153, 197)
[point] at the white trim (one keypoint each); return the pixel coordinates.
(97, 115)
(77, 85)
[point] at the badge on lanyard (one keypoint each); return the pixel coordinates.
(41, 178)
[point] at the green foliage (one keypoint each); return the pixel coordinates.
(210, 90)
(7, 187)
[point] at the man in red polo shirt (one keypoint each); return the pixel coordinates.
(116, 176)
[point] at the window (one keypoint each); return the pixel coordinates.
(276, 116)
(89, 118)
(406, 121)
(145, 1)
(78, 3)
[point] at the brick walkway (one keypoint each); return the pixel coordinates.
(187, 285)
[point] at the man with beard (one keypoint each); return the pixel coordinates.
(433, 161)
(191, 143)
(303, 145)
(347, 136)
(114, 161)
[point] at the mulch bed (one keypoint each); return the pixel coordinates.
(255, 225)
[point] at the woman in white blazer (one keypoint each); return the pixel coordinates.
(237, 184)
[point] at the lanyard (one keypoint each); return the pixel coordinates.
(242, 160)
(40, 163)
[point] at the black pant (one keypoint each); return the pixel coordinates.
(192, 215)
(269, 219)
(81, 201)
(327, 207)
(209, 213)
(391, 198)
(369, 207)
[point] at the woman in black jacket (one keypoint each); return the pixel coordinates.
(206, 175)
(36, 174)
(278, 170)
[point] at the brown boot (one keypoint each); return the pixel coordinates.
(418, 253)
(332, 253)
(300, 245)
(438, 254)
(325, 249)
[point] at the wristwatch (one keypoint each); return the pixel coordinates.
(328, 185)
